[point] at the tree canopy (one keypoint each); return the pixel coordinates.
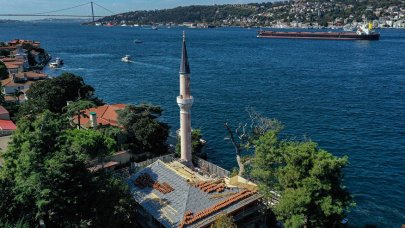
(2, 99)
(306, 180)
(3, 71)
(223, 221)
(54, 93)
(196, 143)
(245, 134)
(257, 14)
(77, 108)
(144, 132)
(45, 177)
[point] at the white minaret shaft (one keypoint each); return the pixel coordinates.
(185, 101)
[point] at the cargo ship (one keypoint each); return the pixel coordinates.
(362, 33)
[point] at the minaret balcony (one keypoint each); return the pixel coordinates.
(185, 103)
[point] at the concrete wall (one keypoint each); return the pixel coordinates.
(121, 157)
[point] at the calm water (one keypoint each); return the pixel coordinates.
(347, 95)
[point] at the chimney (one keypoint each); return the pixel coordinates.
(93, 119)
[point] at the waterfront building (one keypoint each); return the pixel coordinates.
(6, 125)
(14, 66)
(17, 84)
(22, 56)
(30, 76)
(4, 114)
(13, 84)
(190, 192)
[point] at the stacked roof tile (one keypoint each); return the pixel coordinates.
(187, 205)
(145, 180)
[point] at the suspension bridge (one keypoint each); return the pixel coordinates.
(54, 13)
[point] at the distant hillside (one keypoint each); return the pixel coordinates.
(267, 14)
(207, 14)
(8, 21)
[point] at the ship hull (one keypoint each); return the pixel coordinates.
(317, 35)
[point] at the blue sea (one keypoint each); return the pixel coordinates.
(349, 96)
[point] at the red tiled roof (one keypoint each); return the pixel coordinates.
(8, 59)
(106, 115)
(10, 98)
(7, 48)
(10, 82)
(31, 75)
(7, 125)
(3, 110)
(13, 65)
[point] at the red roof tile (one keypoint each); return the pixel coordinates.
(31, 75)
(106, 115)
(10, 98)
(7, 125)
(9, 82)
(3, 110)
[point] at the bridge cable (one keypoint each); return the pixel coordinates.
(62, 9)
(104, 8)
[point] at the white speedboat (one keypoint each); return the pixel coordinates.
(58, 63)
(126, 58)
(53, 65)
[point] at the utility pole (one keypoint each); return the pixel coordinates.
(92, 13)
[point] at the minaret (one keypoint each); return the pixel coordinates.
(185, 101)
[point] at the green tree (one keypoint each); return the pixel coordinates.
(2, 99)
(90, 143)
(196, 143)
(3, 71)
(78, 108)
(115, 133)
(18, 224)
(245, 134)
(54, 93)
(45, 177)
(305, 180)
(223, 221)
(4, 52)
(144, 131)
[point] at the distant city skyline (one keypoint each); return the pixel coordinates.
(117, 6)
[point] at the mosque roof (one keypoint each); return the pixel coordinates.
(176, 196)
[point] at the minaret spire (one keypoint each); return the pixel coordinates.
(185, 101)
(184, 66)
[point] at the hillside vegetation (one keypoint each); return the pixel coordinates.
(259, 14)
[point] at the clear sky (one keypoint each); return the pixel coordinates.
(118, 6)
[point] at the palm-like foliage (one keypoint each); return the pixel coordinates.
(78, 108)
